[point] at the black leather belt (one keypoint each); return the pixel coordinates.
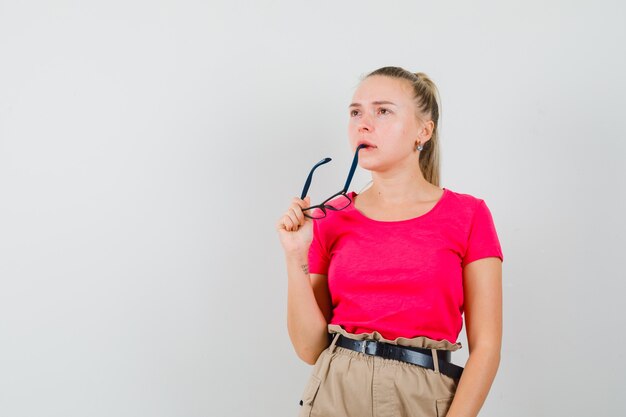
(417, 356)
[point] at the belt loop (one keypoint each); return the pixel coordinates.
(435, 360)
(331, 348)
(325, 363)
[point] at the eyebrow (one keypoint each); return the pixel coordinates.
(373, 102)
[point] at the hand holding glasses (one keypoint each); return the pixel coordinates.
(298, 243)
(341, 199)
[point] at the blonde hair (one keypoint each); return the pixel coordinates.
(427, 101)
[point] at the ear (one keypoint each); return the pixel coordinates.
(426, 131)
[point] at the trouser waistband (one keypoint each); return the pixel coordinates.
(417, 356)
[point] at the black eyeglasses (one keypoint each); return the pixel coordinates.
(341, 199)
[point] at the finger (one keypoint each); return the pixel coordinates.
(281, 225)
(293, 217)
(287, 223)
(300, 213)
(304, 203)
(299, 202)
(297, 210)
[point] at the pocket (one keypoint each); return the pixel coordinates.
(443, 405)
(310, 392)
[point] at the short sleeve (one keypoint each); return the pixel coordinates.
(318, 256)
(483, 239)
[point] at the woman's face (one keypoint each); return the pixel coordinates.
(383, 114)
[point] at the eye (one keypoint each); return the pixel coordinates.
(352, 112)
(385, 110)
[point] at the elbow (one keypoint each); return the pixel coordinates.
(309, 356)
(308, 360)
(309, 345)
(487, 354)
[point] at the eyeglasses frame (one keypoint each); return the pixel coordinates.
(323, 206)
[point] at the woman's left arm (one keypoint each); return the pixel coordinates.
(482, 289)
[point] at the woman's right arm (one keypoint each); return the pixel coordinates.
(308, 298)
(306, 323)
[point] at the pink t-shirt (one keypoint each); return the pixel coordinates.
(402, 278)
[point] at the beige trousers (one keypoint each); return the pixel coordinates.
(346, 383)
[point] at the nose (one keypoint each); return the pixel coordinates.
(364, 124)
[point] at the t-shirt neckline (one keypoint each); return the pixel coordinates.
(428, 213)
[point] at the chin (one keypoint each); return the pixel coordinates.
(369, 165)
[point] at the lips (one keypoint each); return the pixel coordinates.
(366, 144)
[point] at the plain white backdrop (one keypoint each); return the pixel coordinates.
(147, 150)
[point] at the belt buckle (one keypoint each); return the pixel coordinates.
(367, 343)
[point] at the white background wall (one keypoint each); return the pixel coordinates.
(147, 149)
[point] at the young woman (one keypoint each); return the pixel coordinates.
(378, 281)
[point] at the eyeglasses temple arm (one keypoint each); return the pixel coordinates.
(307, 184)
(355, 162)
